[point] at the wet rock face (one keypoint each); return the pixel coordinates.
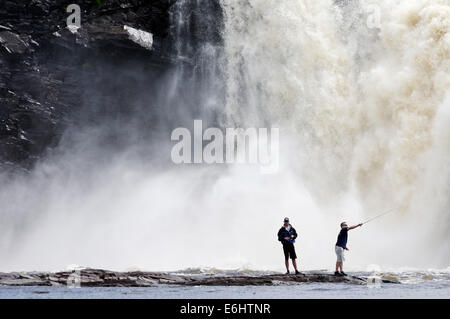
(48, 73)
(106, 278)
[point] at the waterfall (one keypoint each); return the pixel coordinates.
(195, 88)
(363, 109)
(363, 104)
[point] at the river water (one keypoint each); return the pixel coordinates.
(301, 291)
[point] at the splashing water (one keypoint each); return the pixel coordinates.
(363, 106)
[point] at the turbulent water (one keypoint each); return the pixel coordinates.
(363, 107)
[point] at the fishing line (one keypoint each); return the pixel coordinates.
(385, 213)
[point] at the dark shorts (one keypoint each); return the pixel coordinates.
(289, 251)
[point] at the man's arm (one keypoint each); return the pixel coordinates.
(295, 232)
(353, 227)
(280, 234)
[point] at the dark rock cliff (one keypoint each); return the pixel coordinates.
(47, 73)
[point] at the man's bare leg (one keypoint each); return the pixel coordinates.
(294, 263)
(286, 262)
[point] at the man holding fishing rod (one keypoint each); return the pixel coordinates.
(341, 246)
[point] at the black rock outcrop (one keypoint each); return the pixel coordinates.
(48, 72)
(106, 278)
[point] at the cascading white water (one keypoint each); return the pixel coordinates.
(196, 85)
(362, 106)
(363, 115)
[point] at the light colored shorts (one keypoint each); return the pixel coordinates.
(340, 254)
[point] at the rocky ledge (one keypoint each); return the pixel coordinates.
(105, 278)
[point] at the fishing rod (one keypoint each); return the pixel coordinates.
(385, 213)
